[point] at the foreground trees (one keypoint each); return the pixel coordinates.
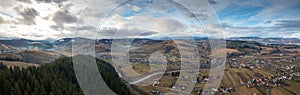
(56, 78)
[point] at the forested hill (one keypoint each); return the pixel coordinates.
(56, 78)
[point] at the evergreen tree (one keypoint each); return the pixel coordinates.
(56, 78)
(2, 66)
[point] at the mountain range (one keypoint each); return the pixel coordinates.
(41, 52)
(269, 40)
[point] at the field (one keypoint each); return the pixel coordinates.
(231, 78)
(280, 91)
(141, 68)
(294, 87)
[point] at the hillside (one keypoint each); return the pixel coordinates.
(31, 56)
(56, 78)
(27, 44)
(6, 48)
(18, 64)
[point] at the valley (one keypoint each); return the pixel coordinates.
(251, 67)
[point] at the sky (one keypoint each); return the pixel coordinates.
(55, 19)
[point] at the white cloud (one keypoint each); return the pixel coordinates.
(144, 23)
(62, 18)
(136, 8)
(50, 24)
(28, 20)
(276, 7)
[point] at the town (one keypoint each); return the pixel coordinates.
(251, 67)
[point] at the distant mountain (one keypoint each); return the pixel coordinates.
(63, 41)
(269, 40)
(64, 45)
(180, 38)
(31, 56)
(27, 44)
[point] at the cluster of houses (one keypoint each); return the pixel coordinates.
(259, 61)
(256, 82)
(225, 89)
(283, 74)
(218, 91)
(279, 59)
(266, 81)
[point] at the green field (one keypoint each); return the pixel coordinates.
(294, 87)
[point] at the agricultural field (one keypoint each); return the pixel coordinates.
(232, 78)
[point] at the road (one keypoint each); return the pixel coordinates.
(157, 73)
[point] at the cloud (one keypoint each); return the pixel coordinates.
(25, 1)
(27, 20)
(56, 18)
(136, 8)
(155, 24)
(241, 31)
(62, 17)
(285, 28)
(124, 33)
(275, 8)
(268, 22)
(281, 28)
(49, 1)
(43, 1)
(28, 16)
(1, 20)
(295, 24)
(259, 18)
(133, 26)
(88, 28)
(202, 16)
(236, 31)
(7, 3)
(213, 2)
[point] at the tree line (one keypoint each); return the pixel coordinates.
(56, 78)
